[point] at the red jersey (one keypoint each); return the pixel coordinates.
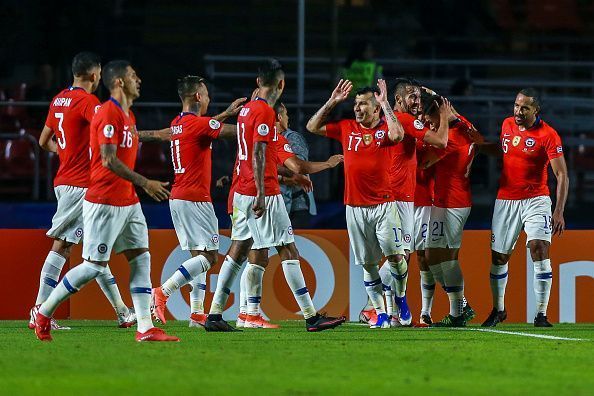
(404, 162)
(191, 146)
(69, 117)
(112, 126)
(256, 123)
(367, 155)
(425, 180)
(283, 151)
(452, 171)
(526, 156)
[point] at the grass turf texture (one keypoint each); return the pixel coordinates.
(95, 357)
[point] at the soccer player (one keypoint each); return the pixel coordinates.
(451, 203)
(194, 219)
(112, 215)
(372, 217)
(528, 145)
(69, 119)
(258, 209)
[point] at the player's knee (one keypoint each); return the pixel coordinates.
(63, 248)
(288, 252)
(499, 258)
(539, 250)
(131, 254)
(395, 258)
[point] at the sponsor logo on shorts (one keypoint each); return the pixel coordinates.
(288, 148)
(530, 142)
(102, 248)
(418, 124)
(263, 129)
(108, 131)
(78, 232)
(406, 238)
(214, 124)
(290, 230)
(215, 238)
(379, 135)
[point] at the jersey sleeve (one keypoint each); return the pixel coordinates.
(412, 126)
(283, 149)
(49, 120)
(90, 107)
(108, 128)
(264, 125)
(334, 130)
(553, 145)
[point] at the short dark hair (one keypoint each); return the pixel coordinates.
(531, 93)
(403, 82)
(278, 106)
(189, 85)
(430, 103)
(269, 72)
(113, 70)
(83, 62)
(366, 90)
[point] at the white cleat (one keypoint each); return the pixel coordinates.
(33, 314)
(127, 320)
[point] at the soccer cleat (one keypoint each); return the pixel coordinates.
(383, 322)
(197, 319)
(240, 319)
(155, 334)
(258, 322)
(451, 321)
(395, 321)
(56, 326)
(404, 312)
(43, 327)
(321, 322)
(541, 321)
(494, 318)
(425, 320)
(468, 313)
(32, 315)
(127, 320)
(219, 326)
(368, 316)
(158, 302)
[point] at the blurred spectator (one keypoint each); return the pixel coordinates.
(44, 88)
(360, 66)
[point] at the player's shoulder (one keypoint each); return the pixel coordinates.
(508, 121)
(547, 129)
(107, 110)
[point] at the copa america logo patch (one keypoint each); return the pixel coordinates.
(102, 248)
(406, 238)
(379, 135)
(215, 238)
(108, 131)
(214, 124)
(418, 124)
(263, 129)
(97, 108)
(290, 230)
(288, 148)
(530, 142)
(78, 232)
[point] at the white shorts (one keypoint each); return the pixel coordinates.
(110, 227)
(272, 229)
(446, 226)
(422, 218)
(67, 223)
(509, 216)
(195, 224)
(406, 212)
(374, 231)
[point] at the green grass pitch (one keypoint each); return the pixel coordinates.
(97, 358)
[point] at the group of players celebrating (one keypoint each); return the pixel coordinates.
(407, 189)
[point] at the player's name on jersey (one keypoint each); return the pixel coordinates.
(62, 102)
(177, 129)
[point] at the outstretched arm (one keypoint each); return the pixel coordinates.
(162, 135)
(317, 123)
(231, 111)
(395, 129)
(560, 170)
(298, 165)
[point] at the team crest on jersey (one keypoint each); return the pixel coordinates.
(108, 131)
(516, 140)
(288, 148)
(367, 138)
(214, 124)
(379, 135)
(78, 232)
(102, 248)
(530, 142)
(263, 129)
(418, 124)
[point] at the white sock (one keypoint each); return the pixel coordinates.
(253, 286)
(498, 283)
(400, 273)
(454, 285)
(373, 285)
(243, 292)
(72, 282)
(197, 293)
(50, 273)
(227, 275)
(294, 277)
(427, 291)
(543, 279)
(437, 272)
(108, 285)
(140, 289)
(387, 287)
(185, 273)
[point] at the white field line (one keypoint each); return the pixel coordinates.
(519, 333)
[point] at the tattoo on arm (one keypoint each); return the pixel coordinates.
(320, 118)
(111, 161)
(229, 131)
(258, 164)
(155, 136)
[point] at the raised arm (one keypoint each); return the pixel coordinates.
(439, 139)
(109, 159)
(395, 129)
(161, 135)
(231, 111)
(229, 131)
(560, 170)
(317, 123)
(258, 164)
(45, 140)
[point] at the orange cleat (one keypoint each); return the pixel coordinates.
(368, 316)
(43, 327)
(155, 334)
(240, 319)
(158, 303)
(258, 322)
(197, 319)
